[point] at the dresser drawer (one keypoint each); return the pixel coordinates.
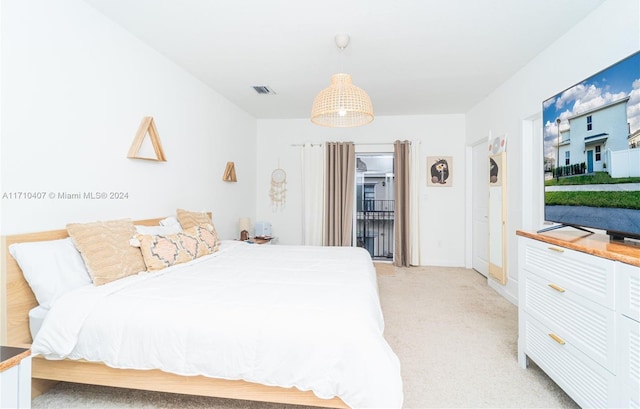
(629, 373)
(589, 326)
(589, 384)
(629, 290)
(587, 275)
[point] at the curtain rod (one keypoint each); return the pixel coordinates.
(364, 143)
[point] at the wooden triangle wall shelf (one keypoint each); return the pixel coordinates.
(147, 126)
(230, 173)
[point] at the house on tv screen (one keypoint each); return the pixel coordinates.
(599, 140)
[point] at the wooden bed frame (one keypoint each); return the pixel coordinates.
(16, 299)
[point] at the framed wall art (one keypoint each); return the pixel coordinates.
(439, 171)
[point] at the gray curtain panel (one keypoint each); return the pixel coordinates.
(340, 185)
(402, 249)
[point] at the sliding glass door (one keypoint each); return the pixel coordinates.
(374, 209)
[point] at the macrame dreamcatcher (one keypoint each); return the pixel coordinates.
(278, 191)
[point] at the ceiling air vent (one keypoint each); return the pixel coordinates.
(264, 90)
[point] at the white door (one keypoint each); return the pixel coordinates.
(480, 206)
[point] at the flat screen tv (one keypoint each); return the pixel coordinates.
(592, 152)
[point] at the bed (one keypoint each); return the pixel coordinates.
(287, 324)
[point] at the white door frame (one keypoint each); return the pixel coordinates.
(532, 173)
(471, 176)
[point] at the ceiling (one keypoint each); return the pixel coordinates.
(411, 56)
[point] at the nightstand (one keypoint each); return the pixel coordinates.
(15, 377)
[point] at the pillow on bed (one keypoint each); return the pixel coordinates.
(51, 268)
(36, 318)
(161, 251)
(158, 230)
(190, 219)
(170, 221)
(105, 248)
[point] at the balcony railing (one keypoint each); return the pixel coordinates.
(374, 227)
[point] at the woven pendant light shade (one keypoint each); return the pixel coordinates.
(342, 104)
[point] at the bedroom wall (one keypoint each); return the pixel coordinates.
(75, 87)
(441, 209)
(607, 35)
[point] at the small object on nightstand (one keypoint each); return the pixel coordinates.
(262, 239)
(263, 229)
(15, 377)
(244, 225)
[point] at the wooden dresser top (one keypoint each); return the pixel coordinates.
(597, 244)
(10, 356)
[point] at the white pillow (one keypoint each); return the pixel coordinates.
(159, 230)
(51, 268)
(170, 221)
(36, 318)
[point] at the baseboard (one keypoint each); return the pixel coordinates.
(503, 290)
(443, 263)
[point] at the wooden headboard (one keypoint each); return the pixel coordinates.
(16, 297)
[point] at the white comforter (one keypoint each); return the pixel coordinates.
(298, 316)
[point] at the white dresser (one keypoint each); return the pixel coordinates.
(579, 313)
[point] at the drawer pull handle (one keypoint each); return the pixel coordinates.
(556, 249)
(556, 287)
(557, 339)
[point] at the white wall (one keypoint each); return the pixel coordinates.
(441, 209)
(75, 87)
(607, 35)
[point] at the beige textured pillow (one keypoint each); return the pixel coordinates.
(160, 251)
(190, 219)
(105, 248)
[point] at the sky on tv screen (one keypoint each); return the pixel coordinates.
(619, 81)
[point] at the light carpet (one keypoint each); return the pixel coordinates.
(455, 336)
(385, 269)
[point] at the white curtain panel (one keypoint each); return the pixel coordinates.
(312, 193)
(414, 201)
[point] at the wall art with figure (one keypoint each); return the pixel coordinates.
(495, 171)
(439, 171)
